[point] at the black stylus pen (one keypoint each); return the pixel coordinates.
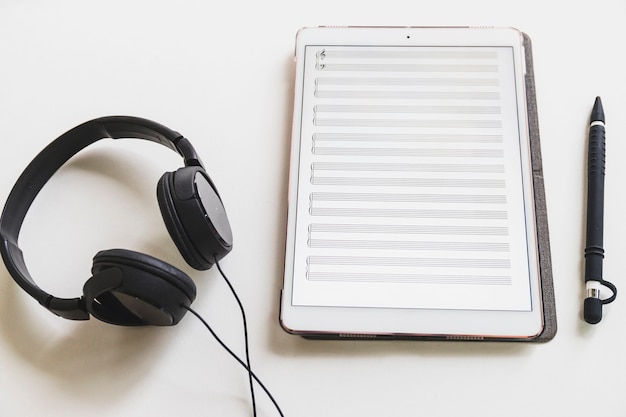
(594, 251)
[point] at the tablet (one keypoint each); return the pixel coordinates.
(416, 203)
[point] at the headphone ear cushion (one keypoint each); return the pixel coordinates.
(132, 289)
(194, 216)
(174, 226)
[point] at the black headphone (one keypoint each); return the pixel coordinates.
(128, 288)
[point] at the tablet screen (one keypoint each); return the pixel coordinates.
(411, 189)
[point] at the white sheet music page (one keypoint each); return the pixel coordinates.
(410, 189)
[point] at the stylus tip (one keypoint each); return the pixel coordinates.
(597, 114)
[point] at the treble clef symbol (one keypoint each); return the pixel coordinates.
(320, 57)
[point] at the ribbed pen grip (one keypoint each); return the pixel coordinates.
(597, 150)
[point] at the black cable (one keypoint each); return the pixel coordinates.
(242, 363)
(613, 289)
(245, 333)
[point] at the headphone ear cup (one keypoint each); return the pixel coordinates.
(194, 216)
(133, 289)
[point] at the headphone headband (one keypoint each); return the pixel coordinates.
(41, 169)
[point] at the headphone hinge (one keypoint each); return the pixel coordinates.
(184, 148)
(68, 308)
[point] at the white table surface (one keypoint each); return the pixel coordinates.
(222, 74)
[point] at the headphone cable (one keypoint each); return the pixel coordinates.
(246, 365)
(245, 333)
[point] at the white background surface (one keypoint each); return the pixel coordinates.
(222, 75)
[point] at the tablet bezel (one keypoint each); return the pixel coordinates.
(398, 322)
